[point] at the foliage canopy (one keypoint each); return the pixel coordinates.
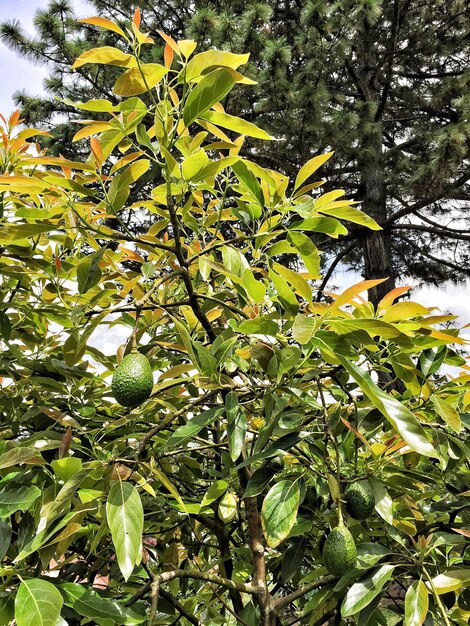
(210, 502)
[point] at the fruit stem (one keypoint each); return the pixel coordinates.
(134, 330)
(331, 437)
(436, 597)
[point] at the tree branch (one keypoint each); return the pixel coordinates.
(332, 267)
(279, 603)
(165, 577)
(441, 232)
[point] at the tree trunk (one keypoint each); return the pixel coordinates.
(376, 246)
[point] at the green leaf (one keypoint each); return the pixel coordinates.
(21, 232)
(292, 560)
(416, 604)
(89, 272)
(184, 433)
(249, 180)
(285, 294)
(17, 499)
(431, 360)
(236, 124)
(448, 413)
(255, 288)
(119, 189)
(210, 90)
(20, 455)
(364, 591)
(7, 609)
(383, 502)
(139, 80)
(37, 602)
(73, 349)
(279, 511)
(89, 603)
(299, 283)
(451, 580)
(98, 106)
(5, 537)
(259, 326)
(399, 416)
(258, 482)
(310, 167)
(236, 425)
(125, 516)
(303, 328)
(283, 443)
(308, 252)
(215, 491)
(326, 225)
(5, 326)
(350, 214)
(67, 467)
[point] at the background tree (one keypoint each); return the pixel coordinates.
(209, 502)
(384, 84)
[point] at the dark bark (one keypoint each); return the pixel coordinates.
(376, 245)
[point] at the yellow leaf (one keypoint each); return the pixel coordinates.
(91, 129)
(310, 167)
(211, 59)
(187, 47)
(107, 55)
(103, 23)
(139, 80)
(404, 310)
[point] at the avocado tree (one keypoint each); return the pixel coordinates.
(235, 461)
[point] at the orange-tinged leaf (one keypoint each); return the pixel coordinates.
(462, 531)
(170, 41)
(354, 291)
(437, 334)
(168, 55)
(131, 255)
(96, 151)
(354, 430)
(391, 296)
(102, 22)
(137, 17)
(125, 161)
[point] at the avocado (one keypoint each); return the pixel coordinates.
(132, 380)
(339, 551)
(360, 500)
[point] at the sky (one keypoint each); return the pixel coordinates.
(17, 73)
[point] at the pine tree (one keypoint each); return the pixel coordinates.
(384, 84)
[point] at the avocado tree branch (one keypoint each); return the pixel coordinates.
(279, 603)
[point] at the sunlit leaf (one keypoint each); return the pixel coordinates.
(37, 602)
(125, 516)
(279, 511)
(416, 604)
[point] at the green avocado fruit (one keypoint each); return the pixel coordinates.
(339, 551)
(360, 500)
(132, 380)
